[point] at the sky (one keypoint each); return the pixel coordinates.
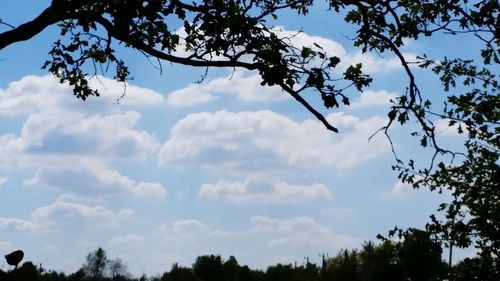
(179, 169)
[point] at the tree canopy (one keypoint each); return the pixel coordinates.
(414, 257)
(240, 34)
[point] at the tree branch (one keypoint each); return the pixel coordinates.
(311, 109)
(139, 45)
(26, 31)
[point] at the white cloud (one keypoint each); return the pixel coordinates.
(191, 95)
(127, 95)
(244, 85)
(443, 128)
(19, 224)
(90, 178)
(373, 64)
(44, 93)
(127, 239)
(299, 231)
(264, 140)
(189, 226)
(401, 189)
(258, 191)
(61, 211)
(302, 39)
(57, 123)
(374, 98)
(3, 180)
(106, 136)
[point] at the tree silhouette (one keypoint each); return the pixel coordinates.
(280, 272)
(95, 264)
(209, 268)
(343, 267)
(420, 257)
(178, 273)
(379, 262)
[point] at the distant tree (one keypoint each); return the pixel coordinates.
(117, 269)
(379, 262)
(232, 269)
(77, 276)
(420, 257)
(52, 275)
(178, 273)
(95, 264)
(28, 271)
(309, 272)
(475, 269)
(343, 267)
(280, 272)
(247, 274)
(209, 268)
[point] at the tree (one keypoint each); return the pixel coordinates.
(95, 264)
(379, 262)
(237, 34)
(178, 273)
(344, 266)
(232, 269)
(118, 270)
(280, 272)
(420, 257)
(209, 268)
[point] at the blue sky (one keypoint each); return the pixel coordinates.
(179, 169)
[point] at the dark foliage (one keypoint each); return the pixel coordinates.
(414, 257)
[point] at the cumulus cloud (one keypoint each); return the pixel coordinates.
(61, 211)
(374, 98)
(127, 239)
(90, 178)
(45, 93)
(57, 123)
(443, 128)
(191, 95)
(256, 141)
(20, 224)
(255, 191)
(401, 189)
(69, 144)
(373, 64)
(126, 95)
(299, 231)
(243, 85)
(111, 135)
(189, 226)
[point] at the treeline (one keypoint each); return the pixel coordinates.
(415, 256)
